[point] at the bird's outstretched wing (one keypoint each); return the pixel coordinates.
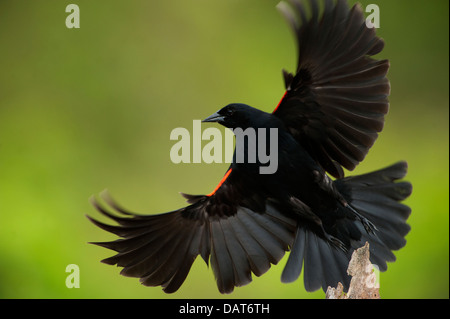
(335, 103)
(235, 228)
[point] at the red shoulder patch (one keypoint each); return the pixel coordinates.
(220, 183)
(280, 102)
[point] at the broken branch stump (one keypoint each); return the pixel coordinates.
(363, 284)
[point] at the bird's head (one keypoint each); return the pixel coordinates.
(234, 115)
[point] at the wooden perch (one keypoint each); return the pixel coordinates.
(363, 284)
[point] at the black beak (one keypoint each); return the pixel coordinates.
(216, 117)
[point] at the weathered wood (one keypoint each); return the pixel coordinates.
(363, 284)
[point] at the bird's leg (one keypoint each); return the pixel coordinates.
(305, 212)
(368, 225)
(327, 184)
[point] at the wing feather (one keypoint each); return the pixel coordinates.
(335, 103)
(222, 227)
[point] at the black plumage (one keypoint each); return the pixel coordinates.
(329, 117)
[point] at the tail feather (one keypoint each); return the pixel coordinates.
(334, 263)
(293, 267)
(324, 264)
(313, 264)
(376, 197)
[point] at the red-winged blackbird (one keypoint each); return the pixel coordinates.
(329, 117)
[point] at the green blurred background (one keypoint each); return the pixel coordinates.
(82, 110)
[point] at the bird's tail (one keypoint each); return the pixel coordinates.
(375, 198)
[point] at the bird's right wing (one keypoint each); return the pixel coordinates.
(235, 228)
(335, 103)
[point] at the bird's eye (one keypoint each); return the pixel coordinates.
(230, 111)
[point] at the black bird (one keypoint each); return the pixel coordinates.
(328, 118)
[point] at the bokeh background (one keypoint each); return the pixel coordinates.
(83, 110)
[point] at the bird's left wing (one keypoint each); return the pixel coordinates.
(234, 228)
(335, 103)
